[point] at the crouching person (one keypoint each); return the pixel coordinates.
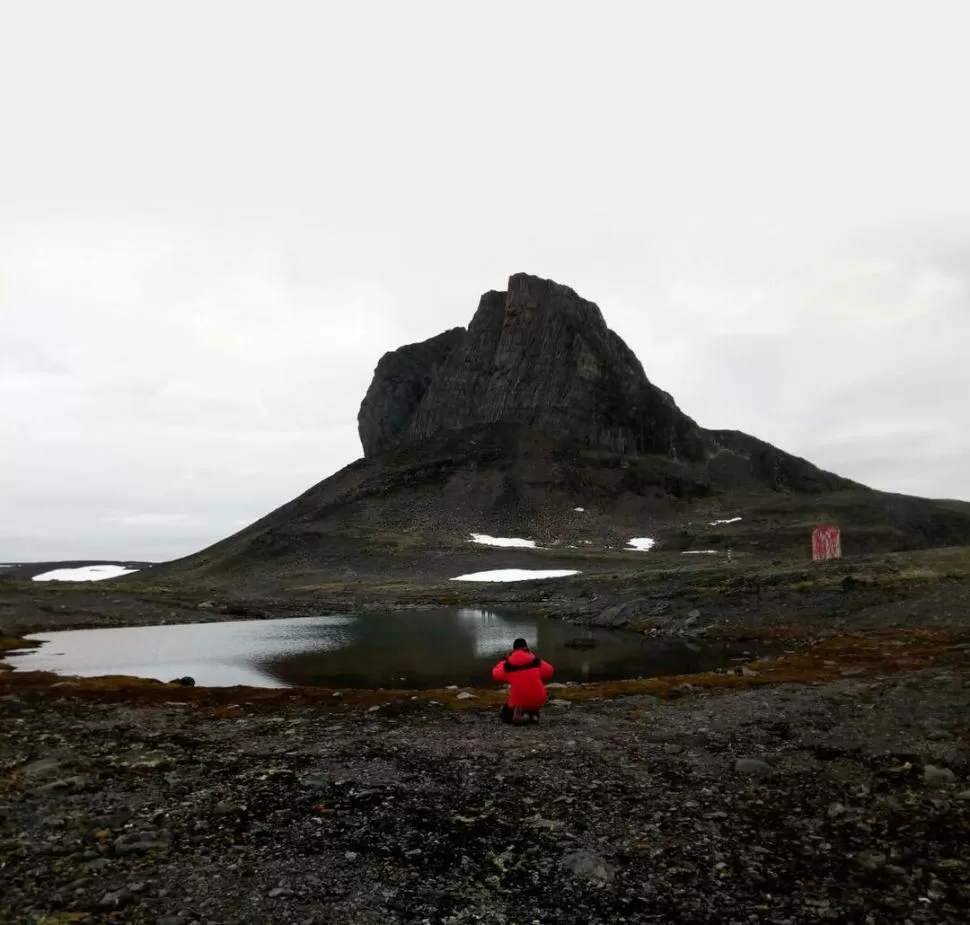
(526, 674)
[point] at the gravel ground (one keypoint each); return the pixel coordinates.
(844, 802)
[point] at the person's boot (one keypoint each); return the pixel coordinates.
(517, 716)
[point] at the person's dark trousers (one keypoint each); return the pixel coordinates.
(507, 715)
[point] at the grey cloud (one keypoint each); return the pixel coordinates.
(215, 222)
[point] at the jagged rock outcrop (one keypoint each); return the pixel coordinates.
(401, 381)
(536, 355)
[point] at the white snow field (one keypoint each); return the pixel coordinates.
(516, 574)
(486, 540)
(642, 543)
(85, 573)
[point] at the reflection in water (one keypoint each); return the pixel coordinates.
(493, 634)
(413, 649)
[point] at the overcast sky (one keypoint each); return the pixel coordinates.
(215, 217)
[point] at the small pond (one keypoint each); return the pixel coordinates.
(411, 649)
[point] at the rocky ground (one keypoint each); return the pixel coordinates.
(843, 802)
(738, 798)
(925, 588)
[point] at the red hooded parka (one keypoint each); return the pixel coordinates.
(525, 672)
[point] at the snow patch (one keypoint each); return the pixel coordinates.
(516, 574)
(485, 540)
(643, 543)
(730, 520)
(699, 552)
(580, 510)
(85, 573)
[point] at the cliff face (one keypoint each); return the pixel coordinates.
(400, 383)
(536, 355)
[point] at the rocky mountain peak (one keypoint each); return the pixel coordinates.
(535, 355)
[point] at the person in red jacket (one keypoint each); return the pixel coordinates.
(526, 674)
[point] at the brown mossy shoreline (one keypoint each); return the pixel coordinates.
(877, 653)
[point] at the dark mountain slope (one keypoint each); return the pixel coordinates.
(508, 427)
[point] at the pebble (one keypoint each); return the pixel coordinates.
(935, 776)
(588, 866)
(753, 767)
(871, 860)
(115, 900)
(142, 843)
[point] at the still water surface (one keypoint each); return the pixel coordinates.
(414, 649)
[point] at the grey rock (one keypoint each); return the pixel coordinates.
(870, 860)
(753, 767)
(67, 784)
(588, 866)
(142, 843)
(402, 379)
(937, 777)
(622, 614)
(43, 767)
(116, 900)
(465, 695)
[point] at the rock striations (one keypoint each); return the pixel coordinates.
(539, 357)
(536, 355)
